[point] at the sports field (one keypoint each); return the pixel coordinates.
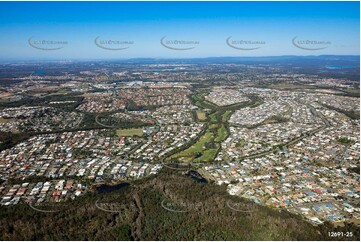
(129, 132)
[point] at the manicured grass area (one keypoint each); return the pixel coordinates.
(213, 126)
(225, 116)
(213, 117)
(221, 134)
(5, 120)
(205, 105)
(200, 102)
(352, 90)
(201, 116)
(191, 153)
(129, 132)
(207, 155)
(207, 146)
(199, 96)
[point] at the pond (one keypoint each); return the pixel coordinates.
(196, 176)
(111, 188)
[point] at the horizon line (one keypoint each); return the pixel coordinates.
(167, 58)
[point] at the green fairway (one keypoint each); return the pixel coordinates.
(199, 96)
(213, 126)
(192, 152)
(213, 117)
(207, 155)
(208, 145)
(129, 132)
(221, 134)
(225, 116)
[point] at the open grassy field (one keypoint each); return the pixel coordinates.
(213, 117)
(5, 120)
(129, 132)
(226, 115)
(207, 155)
(352, 90)
(213, 126)
(221, 134)
(201, 116)
(200, 102)
(199, 96)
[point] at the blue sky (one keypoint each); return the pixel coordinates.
(274, 24)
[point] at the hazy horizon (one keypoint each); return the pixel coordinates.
(166, 58)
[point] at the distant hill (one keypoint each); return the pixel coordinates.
(261, 59)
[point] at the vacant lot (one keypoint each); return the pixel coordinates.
(5, 120)
(201, 116)
(129, 132)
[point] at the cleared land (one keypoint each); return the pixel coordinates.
(5, 120)
(201, 116)
(129, 132)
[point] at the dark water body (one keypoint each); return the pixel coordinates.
(196, 176)
(41, 72)
(108, 188)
